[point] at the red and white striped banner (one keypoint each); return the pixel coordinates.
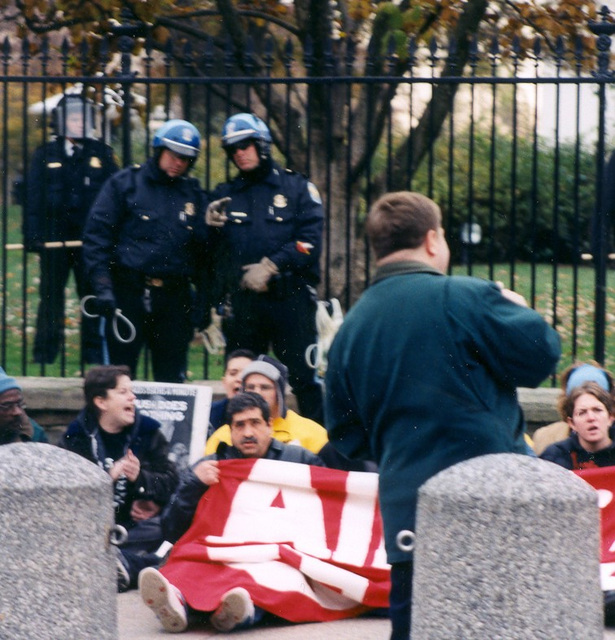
(306, 542)
(603, 480)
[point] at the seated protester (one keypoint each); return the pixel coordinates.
(267, 377)
(251, 437)
(589, 411)
(15, 425)
(235, 362)
(570, 378)
(130, 447)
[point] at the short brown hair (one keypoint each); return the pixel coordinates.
(401, 220)
(99, 380)
(566, 403)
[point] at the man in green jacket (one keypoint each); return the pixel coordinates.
(423, 372)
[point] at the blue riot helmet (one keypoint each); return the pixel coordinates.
(246, 126)
(77, 118)
(180, 136)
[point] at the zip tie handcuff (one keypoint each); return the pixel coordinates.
(117, 316)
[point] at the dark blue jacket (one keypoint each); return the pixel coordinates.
(279, 217)
(570, 454)
(62, 188)
(423, 374)
(146, 222)
(157, 479)
(178, 514)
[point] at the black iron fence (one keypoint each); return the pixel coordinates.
(513, 146)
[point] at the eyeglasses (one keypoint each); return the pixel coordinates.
(7, 406)
(241, 145)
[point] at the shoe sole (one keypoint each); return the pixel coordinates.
(231, 605)
(155, 593)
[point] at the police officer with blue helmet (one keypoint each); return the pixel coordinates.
(270, 221)
(143, 239)
(64, 178)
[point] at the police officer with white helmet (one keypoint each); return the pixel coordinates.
(143, 238)
(65, 176)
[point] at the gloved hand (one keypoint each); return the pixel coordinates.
(257, 275)
(213, 338)
(215, 215)
(105, 304)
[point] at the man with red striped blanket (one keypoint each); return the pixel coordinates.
(255, 533)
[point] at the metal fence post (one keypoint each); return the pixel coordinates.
(603, 30)
(126, 32)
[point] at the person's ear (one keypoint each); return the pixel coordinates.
(431, 242)
(99, 402)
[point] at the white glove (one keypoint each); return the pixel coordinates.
(215, 215)
(257, 275)
(213, 338)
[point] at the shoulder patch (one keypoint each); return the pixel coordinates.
(313, 191)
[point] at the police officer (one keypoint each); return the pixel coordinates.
(271, 221)
(64, 178)
(142, 239)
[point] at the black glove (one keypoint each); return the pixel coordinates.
(105, 304)
(34, 246)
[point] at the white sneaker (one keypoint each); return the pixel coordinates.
(236, 608)
(165, 600)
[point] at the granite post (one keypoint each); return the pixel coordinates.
(57, 572)
(507, 548)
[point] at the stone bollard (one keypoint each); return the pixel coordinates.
(507, 548)
(57, 572)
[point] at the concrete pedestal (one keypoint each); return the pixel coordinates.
(507, 548)
(57, 572)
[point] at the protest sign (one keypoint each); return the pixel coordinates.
(603, 480)
(183, 412)
(306, 542)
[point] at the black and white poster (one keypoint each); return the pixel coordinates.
(183, 412)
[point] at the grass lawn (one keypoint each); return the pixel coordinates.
(21, 310)
(574, 314)
(570, 310)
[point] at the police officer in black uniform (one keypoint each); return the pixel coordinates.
(64, 178)
(271, 222)
(143, 237)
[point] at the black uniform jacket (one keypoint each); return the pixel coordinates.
(146, 222)
(279, 217)
(62, 188)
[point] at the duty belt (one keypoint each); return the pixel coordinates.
(138, 279)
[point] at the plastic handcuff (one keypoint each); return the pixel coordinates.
(117, 316)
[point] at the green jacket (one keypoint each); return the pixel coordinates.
(423, 374)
